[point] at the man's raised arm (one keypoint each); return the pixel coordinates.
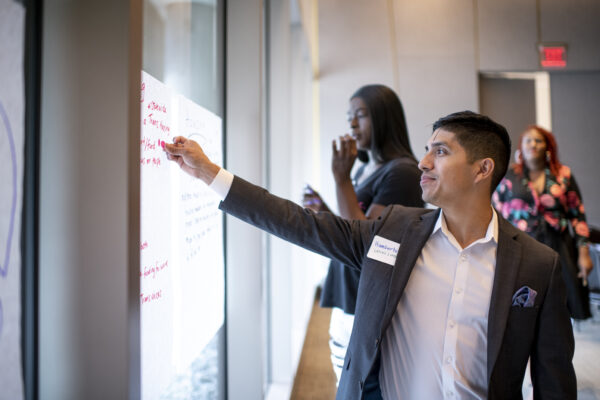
(323, 233)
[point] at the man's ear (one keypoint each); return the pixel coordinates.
(485, 169)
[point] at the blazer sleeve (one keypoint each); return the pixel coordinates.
(323, 233)
(552, 372)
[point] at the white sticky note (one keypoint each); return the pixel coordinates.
(383, 250)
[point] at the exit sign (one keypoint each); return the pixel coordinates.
(553, 55)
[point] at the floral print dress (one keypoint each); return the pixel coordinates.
(546, 216)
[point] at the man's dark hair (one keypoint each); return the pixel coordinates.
(481, 138)
(389, 135)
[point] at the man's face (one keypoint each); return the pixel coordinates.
(447, 177)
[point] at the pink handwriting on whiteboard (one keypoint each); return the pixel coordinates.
(147, 298)
(150, 161)
(152, 121)
(157, 107)
(150, 271)
(148, 144)
(158, 124)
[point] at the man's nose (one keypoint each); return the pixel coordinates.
(424, 164)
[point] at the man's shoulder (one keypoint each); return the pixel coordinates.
(530, 247)
(404, 212)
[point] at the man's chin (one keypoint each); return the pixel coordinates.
(429, 199)
(425, 196)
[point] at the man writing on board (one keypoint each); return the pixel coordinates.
(451, 302)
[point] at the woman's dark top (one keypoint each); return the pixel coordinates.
(395, 182)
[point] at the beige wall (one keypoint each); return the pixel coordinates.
(89, 201)
(425, 50)
(245, 156)
(575, 103)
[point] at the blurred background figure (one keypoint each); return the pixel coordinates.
(539, 195)
(388, 174)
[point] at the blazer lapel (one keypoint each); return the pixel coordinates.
(508, 256)
(414, 238)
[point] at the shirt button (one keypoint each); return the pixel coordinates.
(448, 360)
(451, 324)
(458, 291)
(449, 393)
(463, 257)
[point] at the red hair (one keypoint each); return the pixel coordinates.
(552, 150)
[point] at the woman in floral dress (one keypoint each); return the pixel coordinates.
(539, 195)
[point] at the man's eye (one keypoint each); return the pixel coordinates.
(440, 151)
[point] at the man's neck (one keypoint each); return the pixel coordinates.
(468, 224)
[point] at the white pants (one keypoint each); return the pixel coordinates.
(340, 328)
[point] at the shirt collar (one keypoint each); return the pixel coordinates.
(490, 234)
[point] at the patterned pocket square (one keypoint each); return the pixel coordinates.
(524, 297)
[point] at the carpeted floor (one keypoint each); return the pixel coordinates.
(315, 379)
(587, 354)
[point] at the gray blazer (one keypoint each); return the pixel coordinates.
(515, 334)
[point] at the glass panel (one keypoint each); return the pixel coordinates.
(183, 47)
(182, 295)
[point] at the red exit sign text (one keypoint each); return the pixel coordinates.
(553, 56)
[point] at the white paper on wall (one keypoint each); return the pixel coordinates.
(12, 17)
(182, 265)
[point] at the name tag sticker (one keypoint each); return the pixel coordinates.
(383, 250)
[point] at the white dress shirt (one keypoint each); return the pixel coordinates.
(436, 344)
(222, 183)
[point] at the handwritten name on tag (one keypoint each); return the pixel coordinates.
(383, 250)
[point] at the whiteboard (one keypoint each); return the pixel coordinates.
(12, 16)
(182, 289)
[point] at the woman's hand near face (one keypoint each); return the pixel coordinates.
(342, 161)
(343, 158)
